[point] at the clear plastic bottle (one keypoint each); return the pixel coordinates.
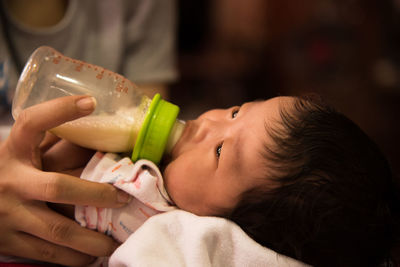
(124, 119)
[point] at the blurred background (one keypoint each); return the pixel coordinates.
(231, 51)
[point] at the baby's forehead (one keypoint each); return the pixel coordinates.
(284, 101)
(272, 109)
(278, 102)
(276, 110)
(264, 121)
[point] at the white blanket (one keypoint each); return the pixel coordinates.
(179, 238)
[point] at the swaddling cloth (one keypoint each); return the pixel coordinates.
(142, 180)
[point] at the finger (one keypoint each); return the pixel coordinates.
(31, 124)
(62, 188)
(49, 141)
(74, 172)
(34, 248)
(57, 229)
(65, 156)
(63, 209)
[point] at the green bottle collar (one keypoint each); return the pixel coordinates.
(156, 128)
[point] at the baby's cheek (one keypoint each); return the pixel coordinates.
(172, 182)
(167, 178)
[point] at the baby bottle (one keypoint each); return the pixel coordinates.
(124, 119)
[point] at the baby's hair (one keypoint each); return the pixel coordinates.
(334, 202)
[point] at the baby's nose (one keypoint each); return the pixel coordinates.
(206, 128)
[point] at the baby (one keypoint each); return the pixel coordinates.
(297, 176)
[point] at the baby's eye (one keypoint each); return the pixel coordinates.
(218, 150)
(234, 113)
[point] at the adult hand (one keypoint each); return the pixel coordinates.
(28, 227)
(59, 155)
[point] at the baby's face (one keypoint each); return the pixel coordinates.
(219, 156)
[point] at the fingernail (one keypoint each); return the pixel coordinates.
(86, 103)
(123, 197)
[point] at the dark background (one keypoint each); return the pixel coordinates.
(231, 51)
